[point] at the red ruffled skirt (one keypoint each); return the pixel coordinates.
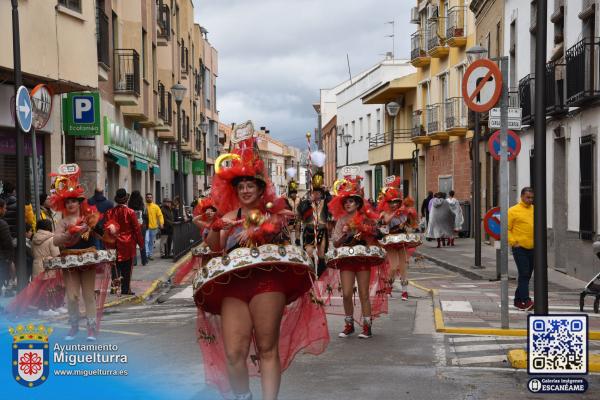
(303, 326)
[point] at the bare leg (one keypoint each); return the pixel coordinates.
(347, 291)
(394, 259)
(236, 324)
(363, 278)
(402, 263)
(266, 310)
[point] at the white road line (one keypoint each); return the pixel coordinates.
(456, 306)
(186, 293)
(467, 339)
(439, 350)
(478, 360)
(487, 347)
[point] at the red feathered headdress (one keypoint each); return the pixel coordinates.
(390, 192)
(203, 205)
(245, 163)
(343, 189)
(66, 186)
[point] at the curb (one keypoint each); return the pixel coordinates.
(438, 316)
(518, 359)
(155, 284)
(451, 267)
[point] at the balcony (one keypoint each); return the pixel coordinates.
(163, 24)
(434, 116)
(418, 134)
(456, 28)
(526, 89)
(414, 15)
(587, 9)
(418, 54)
(184, 61)
(436, 43)
(559, 11)
(583, 72)
(555, 89)
(165, 106)
(127, 77)
(456, 117)
(379, 146)
(102, 44)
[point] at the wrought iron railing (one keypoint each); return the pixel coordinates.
(434, 34)
(102, 37)
(417, 124)
(162, 102)
(381, 139)
(455, 113)
(185, 236)
(127, 71)
(583, 71)
(163, 17)
(456, 25)
(434, 118)
(526, 89)
(555, 88)
(417, 45)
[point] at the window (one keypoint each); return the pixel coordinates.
(353, 131)
(378, 127)
(360, 128)
(74, 5)
(207, 87)
(586, 188)
(369, 125)
(144, 64)
(214, 98)
(444, 183)
(115, 31)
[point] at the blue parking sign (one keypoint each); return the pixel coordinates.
(83, 109)
(81, 114)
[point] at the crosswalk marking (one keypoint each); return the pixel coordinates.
(456, 306)
(478, 360)
(186, 293)
(487, 347)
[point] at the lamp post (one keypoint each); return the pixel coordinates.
(347, 137)
(476, 53)
(178, 91)
(392, 109)
(204, 128)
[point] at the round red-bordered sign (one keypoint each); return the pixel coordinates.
(491, 222)
(513, 144)
(482, 85)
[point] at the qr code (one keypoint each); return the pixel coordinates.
(557, 344)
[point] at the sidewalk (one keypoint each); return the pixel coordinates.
(472, 304)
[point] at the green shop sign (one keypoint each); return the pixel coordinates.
(187, 163)
(198, 167)
(130, 142)
(81, 114)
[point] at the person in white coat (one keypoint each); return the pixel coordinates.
(459, 219)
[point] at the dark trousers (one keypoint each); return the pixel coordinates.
(524, 260)
(123, 270)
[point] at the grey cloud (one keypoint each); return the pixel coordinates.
(275, 55)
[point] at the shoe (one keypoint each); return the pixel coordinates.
(72, 332)
(62, 310)
(151, 258)
(366, 333)
(91, 331)
(405, 296)
(48, 313)
(523, 305)
(528, 305)
(348, 330)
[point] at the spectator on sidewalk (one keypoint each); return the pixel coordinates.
(155, 222)
(125, 233)
(520, 238)
(7, 251)
(136, 203)
(46, 212)
(43, 247)
(9, 194)
(175, 208)
(458, 216)
(102, 204)
(166, 233)
(425, 206)
(441, 220)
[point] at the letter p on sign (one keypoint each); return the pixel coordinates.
(83, 109)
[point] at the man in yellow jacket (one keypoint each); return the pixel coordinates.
(520, 238)
(155, 222)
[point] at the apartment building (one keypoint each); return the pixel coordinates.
(572, 122)
(277, 157)
(445, 29)
(57, 49)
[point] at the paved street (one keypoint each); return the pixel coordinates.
(405, 358)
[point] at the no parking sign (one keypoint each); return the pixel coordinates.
(491, 223)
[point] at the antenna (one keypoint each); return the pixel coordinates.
(393, 23)
(349, 73)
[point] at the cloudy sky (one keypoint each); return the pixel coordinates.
(275, 55)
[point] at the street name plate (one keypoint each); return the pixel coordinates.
(514, 118)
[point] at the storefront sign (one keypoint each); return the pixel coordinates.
(187, 163)
(81, 114)
(8, 144)
(198, 167)
(129, 141)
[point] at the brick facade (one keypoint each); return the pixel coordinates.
(330, 149)
(449, 159)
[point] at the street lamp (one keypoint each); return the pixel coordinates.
(392, 109)
(347, 138)
(204, 129)
(473, 54)
(178, 91)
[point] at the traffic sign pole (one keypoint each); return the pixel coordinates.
(504, 193)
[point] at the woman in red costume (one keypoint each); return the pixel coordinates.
(256, 306)
(399, 219)
(357, 256)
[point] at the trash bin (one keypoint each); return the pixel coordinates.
(465, 232)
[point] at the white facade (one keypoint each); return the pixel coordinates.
(568, 245)
(363, 120)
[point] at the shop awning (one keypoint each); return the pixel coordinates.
(141, 164)
(120, 158)
(155, 169)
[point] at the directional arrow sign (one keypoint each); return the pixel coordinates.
(23, 109)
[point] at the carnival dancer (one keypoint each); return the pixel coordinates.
(293, 203)
(80, 261)
(357, 256)
(123, 234)
(314, 214)
(204, 214)
(259, 292)
(399, 220)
